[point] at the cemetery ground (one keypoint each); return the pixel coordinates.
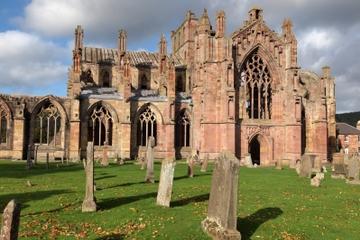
(273, 204)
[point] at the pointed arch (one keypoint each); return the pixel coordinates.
(48, 123)
(100, 124)
(257, 79)
(264, 148)
(147, 118)
(5, 123)
(183, 129)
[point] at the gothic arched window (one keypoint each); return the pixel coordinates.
(183, 133)
(4, 124)
(106, 79)
(146, 126)
(256, 78)
(144, 83)
(100, 126)
(47, 125)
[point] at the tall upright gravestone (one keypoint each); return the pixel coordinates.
(307, 164)
(10, 221)
(221, 220)
(150, 160)
(166, 182)
(89, 204)
(353, 170)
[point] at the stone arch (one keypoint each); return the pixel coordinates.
(265, 149)
(100, 122)
(6, 122)
(48, 116)
(183, 133)
(153, 108)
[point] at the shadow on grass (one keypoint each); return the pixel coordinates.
(110, 203)
(186, 201)
(195, 176)
(123, 185)
(18, 169)
(66, 206)
(112, 237)
(247, 226)
(104, 177)
(23, 198)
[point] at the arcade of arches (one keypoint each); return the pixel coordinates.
(244, 93)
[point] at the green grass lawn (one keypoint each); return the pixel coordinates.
(272, 204)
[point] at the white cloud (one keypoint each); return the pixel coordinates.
(26, 60)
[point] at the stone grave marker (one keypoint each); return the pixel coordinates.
(338, 166)
(204, 163)
(316, 180)
(89, 204)
(105, 157)
(353, 170)
(248, 161)
(150, 160)
(307, 163)
(221, 220)
(10, 221)
(166, 182)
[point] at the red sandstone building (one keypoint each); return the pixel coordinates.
(243, 92)
(348, 138)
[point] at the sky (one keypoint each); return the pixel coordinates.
(36, 36)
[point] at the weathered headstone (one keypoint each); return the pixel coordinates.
(28, 158)
(221, 220)
(353, 170)
(10, 221)
(205, 163)
(317, 164)
(105, 157)
(279, 164)
(339, 170)
(248, 161)
(292, 163)
(150, 160)
(316, 180)
(307, 163)
(298, 166)
(89, 204)
(166, 182)
(190, 168)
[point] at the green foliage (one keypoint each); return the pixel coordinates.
(350, 118)
(272, 205)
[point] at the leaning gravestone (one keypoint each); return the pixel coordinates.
(150, 160)
(221, 220)
(166, 182)
(338, 166)
(353, 170)
(89, 204)
(10, 221)
(307, 163)
(316, 180)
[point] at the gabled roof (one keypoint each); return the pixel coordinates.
(110, 55)
(346, 129)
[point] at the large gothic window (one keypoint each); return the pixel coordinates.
(100, 126)
(256, 78)
(47, 125)
(146, 126)
(183, 130)
(4, 122)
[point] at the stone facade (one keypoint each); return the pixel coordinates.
(243, 93)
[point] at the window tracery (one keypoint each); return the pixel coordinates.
(100, 126)
(47, 125)
(4, 124)
(255, 77)
(147, 126)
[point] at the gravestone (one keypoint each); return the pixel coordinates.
(221, 220)
(307, 163)
(317, 164)
(339, 170)
(298, 166)
(292, 163)
(279, 164)
(316, 180)
(166, 182)
(150, 160)
(248, 161)
(353, 170)
(10, 221)
(105, 157)
(28, 158)
(89, 204)
(205, 163)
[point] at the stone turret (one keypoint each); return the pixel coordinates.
(220, 24)
(290, 44)
(122, 39)
(162, 46)
(77, 52)
(204, 23)
(255, 14)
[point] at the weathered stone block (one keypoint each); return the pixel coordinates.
(10, 221)
(166, 182)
